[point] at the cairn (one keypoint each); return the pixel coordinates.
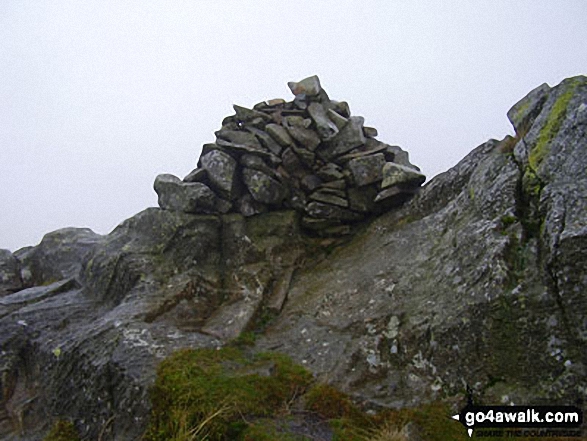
(309, 154)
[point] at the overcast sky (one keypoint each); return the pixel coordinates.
(99, 97)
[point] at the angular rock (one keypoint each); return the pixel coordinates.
(350, 137)
(325, 127)
(394, 196)
(188, 197)
(329, 197)
(338, 120)
(247, 115)
(247, 206)
(264, 188)
(292, 164)
(310, 182)
(297, 128)
(256, 163)
(221, 170)
(370, 132)
(266, 141)
(367, 169)
(238, 137)
(309, 86)
(327, 211)
(339, 184)
(279, 134)
(198, 175)
(330, 172)
(396, 174)
(523, 113)
(10, 277)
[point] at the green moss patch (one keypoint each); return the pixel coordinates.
(551, 128)
(62, 431)
(210, 394)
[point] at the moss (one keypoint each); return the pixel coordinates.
(62, 431)
(551, 128)
(213, 391)
(268, 430)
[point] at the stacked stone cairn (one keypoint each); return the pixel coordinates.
(309, 154)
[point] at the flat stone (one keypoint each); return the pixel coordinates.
(297, 128)
(256, 163)
(313, 223)
(197, 175)
(279, 134)
(221, 170)
(188, 197)
(266, 140)
(350, 137)
(242, 148)
(310, 182)
(275, 102)
(339, 184)
(239, 137)
(248, 115)
(370, 132)
(327, 211)
(309, 86)
(371, 147)
(338, 120)
(330, 172)
(367, 169)
(330, 198)
(340, 107)
(392, 197)
(396, 174)
(324, 126)
(263, 188)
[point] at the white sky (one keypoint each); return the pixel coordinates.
(98, 97)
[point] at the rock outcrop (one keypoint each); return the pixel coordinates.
(309, 155)
(477, 280)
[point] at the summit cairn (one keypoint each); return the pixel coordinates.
(309, 154)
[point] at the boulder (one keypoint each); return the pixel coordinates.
(187, 197)
(263, 188)
(396, 174)
(10, 277)
(221, 170)
(367, 169)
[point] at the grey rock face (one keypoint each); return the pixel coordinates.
(10, 277)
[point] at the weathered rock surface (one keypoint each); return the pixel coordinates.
(478, 280)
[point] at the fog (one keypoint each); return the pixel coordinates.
(98, 97)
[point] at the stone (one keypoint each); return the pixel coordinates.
(263, 188)
(279, 134)
(327, 211)
(297, 128)
(221, 170)
(239, 137)
(338, 120)
(339, 184)
(292, 164)
(310, 182)
(396, 174)
(330, 172)
(367, 169)
(350, 137)
(275, 102)
(328, 197)
(245, 115)
(370, 132)
(324, 126)
(10, 277)
(309, 86)
(523, 113)
(341, 108)
(266, 141)
(197, 175)
(239, 149)
(248, 206)
(256, 163)
(187, 197)
(394, 196)
(362, 199)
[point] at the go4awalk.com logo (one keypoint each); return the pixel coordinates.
(516, 421)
